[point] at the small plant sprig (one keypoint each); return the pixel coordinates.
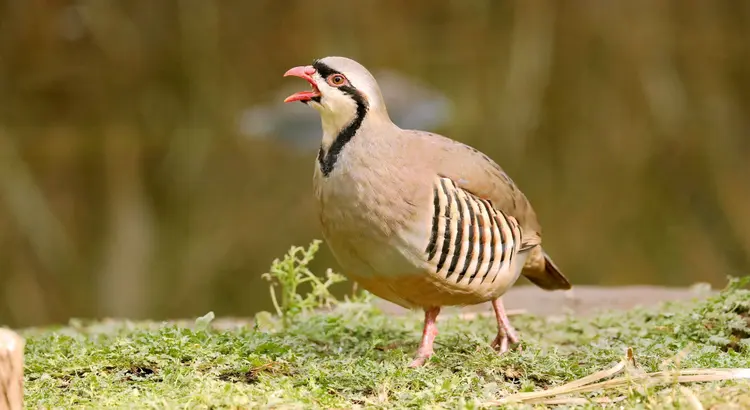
(291, 272)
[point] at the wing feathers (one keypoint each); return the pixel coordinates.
(478, 241)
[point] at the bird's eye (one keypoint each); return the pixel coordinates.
(336, 80)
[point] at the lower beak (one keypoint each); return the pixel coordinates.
(306, 73)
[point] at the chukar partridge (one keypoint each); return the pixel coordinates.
(414, 217)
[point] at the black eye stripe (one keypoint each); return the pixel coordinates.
(324, 70)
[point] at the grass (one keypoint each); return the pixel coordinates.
(353, 355)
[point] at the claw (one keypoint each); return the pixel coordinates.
(418, 361)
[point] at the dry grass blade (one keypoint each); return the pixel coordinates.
(584, 385)
(577, 401)
(564, 389)
(693, 400)
(697, 375)
(657, 378)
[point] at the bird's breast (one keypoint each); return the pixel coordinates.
(369, 220)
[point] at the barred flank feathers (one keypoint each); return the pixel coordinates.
(469, 237)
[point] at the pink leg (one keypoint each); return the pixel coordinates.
(506, 334)
(428, 337)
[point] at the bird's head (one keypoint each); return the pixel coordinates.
(342, 91)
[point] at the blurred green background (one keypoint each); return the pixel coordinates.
(130, 187)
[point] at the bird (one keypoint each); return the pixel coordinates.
(414, 217)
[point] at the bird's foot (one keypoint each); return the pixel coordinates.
(420, 360)
(503, 341)
(506, 334)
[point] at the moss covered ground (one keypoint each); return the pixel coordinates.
(352, 355)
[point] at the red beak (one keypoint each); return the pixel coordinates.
(305, 72)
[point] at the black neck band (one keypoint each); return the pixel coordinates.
(327, 160)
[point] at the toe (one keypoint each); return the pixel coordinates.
(503, 342)
(419, 361)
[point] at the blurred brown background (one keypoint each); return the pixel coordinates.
(129, 185)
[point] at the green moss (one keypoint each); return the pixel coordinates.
(354, 355)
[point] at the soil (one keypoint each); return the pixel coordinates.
(528, 299)
(581, 300)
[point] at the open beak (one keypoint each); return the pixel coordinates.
(305, 72)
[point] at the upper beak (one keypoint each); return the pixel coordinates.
(305, 72)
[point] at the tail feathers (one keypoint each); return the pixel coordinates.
(541, 271)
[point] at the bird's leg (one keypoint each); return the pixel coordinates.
(428, 337)
(506, 334)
